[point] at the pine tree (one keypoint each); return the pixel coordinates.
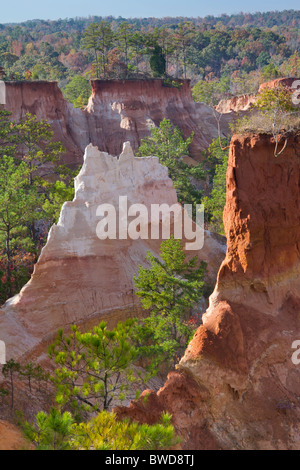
(10, 370)
(94, 367)
(169, 289)
(168, 144)
(18, 204)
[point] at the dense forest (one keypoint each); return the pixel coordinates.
(239, 51)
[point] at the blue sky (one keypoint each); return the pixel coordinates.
(21, 10)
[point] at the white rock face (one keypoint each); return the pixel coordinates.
(80, 279)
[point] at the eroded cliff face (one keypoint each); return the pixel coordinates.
(129, 108)
(236, 104)
(46, 101)
(237, 384)
(118, 111)
(80, 279)
(243, 103)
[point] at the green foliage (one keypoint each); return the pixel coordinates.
(18, 204)
(59, 194)
(25, 188)
(99, 37)
(270, 72)
(167, 143)
(275, 100)
(50, 431)
(217, 160)
(94, 367)
(8, 139)
(104, 432)
(78, 91)
(196, 48)
(33, 373)
(169, 289)
(28, 372)
(35, 137)
(59, 431)
(210, 92)
(276, 115)
(10, 370)
(172, 83)
(158, 62)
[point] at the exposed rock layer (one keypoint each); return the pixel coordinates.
(243, 103)
(245, 388)
(79, 278)
(118, 111)
(236, 104)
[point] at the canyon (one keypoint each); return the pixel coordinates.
(236, 386)
(118, 111)
(80, 279)
(243, 103)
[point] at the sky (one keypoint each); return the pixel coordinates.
(21, 10)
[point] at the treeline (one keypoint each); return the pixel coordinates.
(196, 48)
(285, 18)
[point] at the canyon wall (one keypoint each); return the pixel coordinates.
(236, 386)
(243, 103)
(118, 111)
(80, 279)
(45, 100)
(236, 104)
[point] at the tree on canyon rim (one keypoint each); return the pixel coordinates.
(277, 107)
(99, 37)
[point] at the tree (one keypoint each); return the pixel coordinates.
(37, 147)
(124, 33)
(169, 289)
(39, 152)
(78, 91)
(8, 134)
(184, 36)
(59, 431)
(167, 143)
(28, 372)
(166, 42)
(50, 431)
(211, 93)
(214, 203)
(100, 38)
(18, 204)
(158, 62)
(137, 44)
(10, 370)
(58, 194)
(94, 367)
(105, 432)
(91, 41)
(276, 106)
